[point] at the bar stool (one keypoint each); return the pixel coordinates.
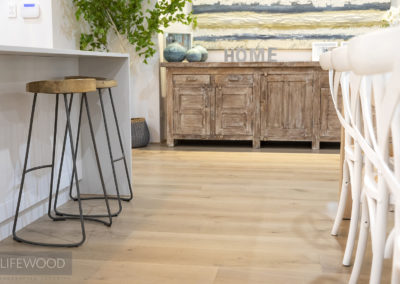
(56, 87)
(102, 83)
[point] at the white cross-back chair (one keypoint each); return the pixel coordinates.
(371, 98)
(372, 56)
(342, 79)
(393, 180)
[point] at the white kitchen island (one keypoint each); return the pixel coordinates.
(19, 65)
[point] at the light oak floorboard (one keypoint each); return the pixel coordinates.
(201, 215)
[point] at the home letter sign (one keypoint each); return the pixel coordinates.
(256, 55)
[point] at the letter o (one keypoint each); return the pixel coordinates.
(241, 55)
(51, 263)
(43, 261)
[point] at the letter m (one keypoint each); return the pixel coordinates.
(257, 55)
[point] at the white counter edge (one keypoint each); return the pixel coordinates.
(22, 50)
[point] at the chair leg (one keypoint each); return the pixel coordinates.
(362, 243)
(118, 197)
(56, 211)
(395, 272)
(62, 159)
(93, 217)
(110, 150)
(53, 157)
(355, 211)
(21, 187)
(97, 158)
(389, 247)
(52, 166)
(74, 168)
(378, 245)
(342, 200)
(113, 161)
(396, 248)
(122, 148)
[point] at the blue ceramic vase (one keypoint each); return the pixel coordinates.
(204, 52)
(174, 52)
(193, 55)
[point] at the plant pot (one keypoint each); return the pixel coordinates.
(140, 133)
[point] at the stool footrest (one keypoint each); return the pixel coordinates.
(38, 168)
(119, 159)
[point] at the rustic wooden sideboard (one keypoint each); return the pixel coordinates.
(257, 101)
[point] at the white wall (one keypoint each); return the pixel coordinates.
(65, 27)
(145, 84)
(174, 28)
(26, 32)
(55, 28)
(145, 80)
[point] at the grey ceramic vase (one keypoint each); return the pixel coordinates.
(204, 52)
(193, 55)
(174, 52)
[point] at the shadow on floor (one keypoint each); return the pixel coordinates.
(246, 146)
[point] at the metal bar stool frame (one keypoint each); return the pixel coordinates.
(112, 160)
(25, 171)
(93, 217)
(103, 83)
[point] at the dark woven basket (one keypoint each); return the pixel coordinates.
(140, 133)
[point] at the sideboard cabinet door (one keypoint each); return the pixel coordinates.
(287, 107)
(191, 105)
(329, 123)
(234, 105)
(191, 111)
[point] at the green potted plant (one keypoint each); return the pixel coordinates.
(134, 21)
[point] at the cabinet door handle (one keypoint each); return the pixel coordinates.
(204, 91)
(191, 79)
(233, 78)
(206, 101)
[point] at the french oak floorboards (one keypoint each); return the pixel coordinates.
(211, 215)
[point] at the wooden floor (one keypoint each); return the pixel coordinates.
(201, 215)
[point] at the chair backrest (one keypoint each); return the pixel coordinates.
(373, 53)
(342, 79)
(373, 56)
(370, 84)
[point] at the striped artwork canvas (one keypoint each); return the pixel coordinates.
(283, 24)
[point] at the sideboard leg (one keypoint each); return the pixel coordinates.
(256, 143)
(315, 144)
(171, 142)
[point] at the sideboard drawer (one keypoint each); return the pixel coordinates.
(192, 79)
(234, 79)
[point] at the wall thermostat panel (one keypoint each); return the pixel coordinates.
(30, 9)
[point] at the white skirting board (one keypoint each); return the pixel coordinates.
(30, 214)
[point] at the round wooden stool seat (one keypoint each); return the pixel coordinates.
(101, 83)
(66, 86)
